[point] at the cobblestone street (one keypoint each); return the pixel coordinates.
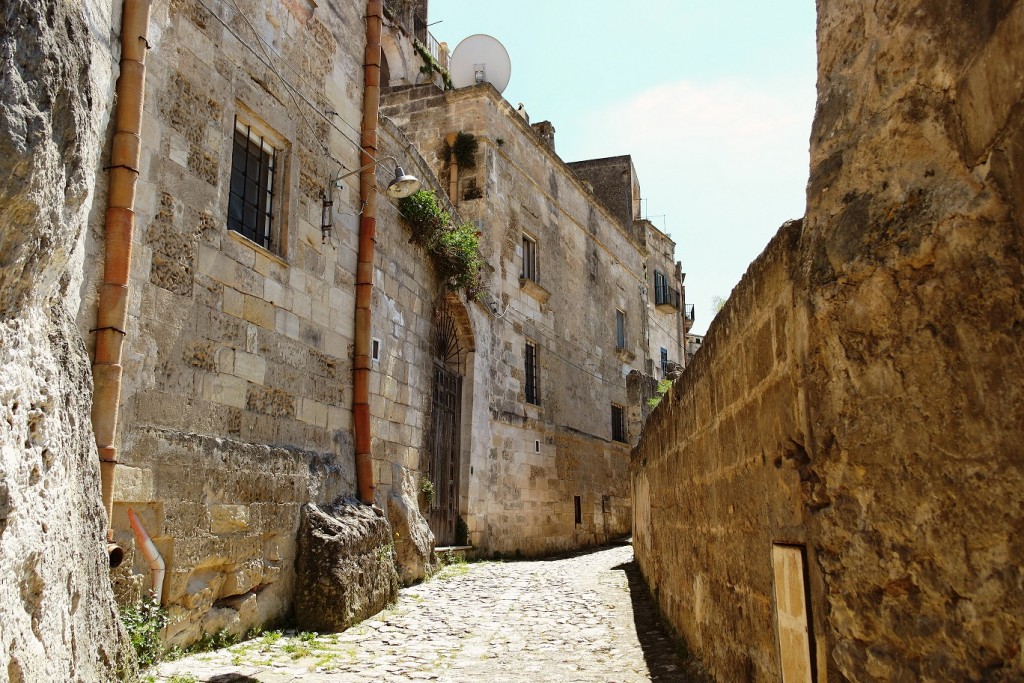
(580, 618)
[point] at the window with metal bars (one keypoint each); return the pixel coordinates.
(529, 259)
(251, 194)
(618, 424)
(532, 392)
(664, 362)
(620, 330)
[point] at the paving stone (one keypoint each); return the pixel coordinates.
(584, 617)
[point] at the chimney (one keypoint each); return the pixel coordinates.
(546, 132)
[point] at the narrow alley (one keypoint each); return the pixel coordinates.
(586, 617)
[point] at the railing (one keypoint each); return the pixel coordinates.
(688, 312)
(441, 55)
(666, 296)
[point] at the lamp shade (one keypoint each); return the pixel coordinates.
(403, 185)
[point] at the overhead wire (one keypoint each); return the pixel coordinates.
(292, 89)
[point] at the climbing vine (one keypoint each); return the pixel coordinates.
(455, 249)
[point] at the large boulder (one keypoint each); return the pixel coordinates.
(414, 542)
(345, 568)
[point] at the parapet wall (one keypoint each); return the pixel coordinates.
(860, 397)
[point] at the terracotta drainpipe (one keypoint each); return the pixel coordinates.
(152, 555)
(112, 311)
(367, 240)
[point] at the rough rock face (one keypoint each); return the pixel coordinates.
(59, 620)
(414, 542)
(345, 566)
(862, 394)
(914, 274)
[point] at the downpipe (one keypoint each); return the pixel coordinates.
(112, 310)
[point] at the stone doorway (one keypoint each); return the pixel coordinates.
(444, 466)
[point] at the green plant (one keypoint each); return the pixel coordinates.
(464, 150)
(427, 489)
(183, 678)
(458, 258)
(663, 386)
(455, 248)
(144, 623)
(430, 64)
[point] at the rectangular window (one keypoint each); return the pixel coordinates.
(618, 423)
(620, 330)
(578, 509)
(529, 259)
(664, 362)
(532, 393)
(606, 505)
(251, 194)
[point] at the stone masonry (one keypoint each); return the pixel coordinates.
(858, 405)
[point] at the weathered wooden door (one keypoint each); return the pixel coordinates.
(796, 639)
(443, 469)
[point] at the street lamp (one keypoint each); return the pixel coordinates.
(403, 185)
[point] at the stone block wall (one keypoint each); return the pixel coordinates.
(717, 476)
(898, 425)
(236, 405)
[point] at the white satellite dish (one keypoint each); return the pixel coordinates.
(480, 58)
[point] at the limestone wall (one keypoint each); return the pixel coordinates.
(59, 619)
(876, 419)
(717, 475)
(236, 406)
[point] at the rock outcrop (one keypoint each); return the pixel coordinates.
(345, 567)
(59, 620)
(858, 403)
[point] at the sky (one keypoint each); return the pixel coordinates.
(713, 100)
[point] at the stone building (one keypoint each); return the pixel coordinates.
(834, 489)
(504, 422)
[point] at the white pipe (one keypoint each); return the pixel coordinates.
(149, 551)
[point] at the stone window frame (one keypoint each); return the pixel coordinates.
(619, 432)
(281, 186)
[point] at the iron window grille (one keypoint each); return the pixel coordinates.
(620, 330)
(532, 393)
(664, 362)
(251, 198)
(618, 424)
(529, 259)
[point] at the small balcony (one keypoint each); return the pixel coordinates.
(688, 315)
(666, 298)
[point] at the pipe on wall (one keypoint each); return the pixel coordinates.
(367, 239)
(112, 311)
(152, 555)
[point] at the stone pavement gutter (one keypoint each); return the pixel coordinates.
(585, 617)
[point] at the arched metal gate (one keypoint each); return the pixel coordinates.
(443, 468)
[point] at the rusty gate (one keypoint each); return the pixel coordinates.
(443, 469)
